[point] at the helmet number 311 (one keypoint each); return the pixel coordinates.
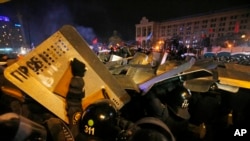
(89, 129)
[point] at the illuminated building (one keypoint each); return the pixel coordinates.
(191, 30)
(11, 37)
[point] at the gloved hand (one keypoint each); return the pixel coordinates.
(75, 95)
(78, 67)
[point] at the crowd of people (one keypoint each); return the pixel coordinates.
(25, 119)
(167, 112)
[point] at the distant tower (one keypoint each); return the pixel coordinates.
(11, 36)
(19, 16)
(5, 39)
(115, 40)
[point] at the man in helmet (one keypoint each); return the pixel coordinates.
(57, 129)
(18, 128)
(101, 121)
(75, 95)
(169, 102)
(98, 121)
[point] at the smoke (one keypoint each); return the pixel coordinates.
(50, 19)
(87, 33)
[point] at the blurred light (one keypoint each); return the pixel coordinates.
(102, 117)
(3, 1)
(4, 18)
(17, 25)
(23, 52)
(161, 42)
(6, 49)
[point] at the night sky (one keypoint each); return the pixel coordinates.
(99, 18)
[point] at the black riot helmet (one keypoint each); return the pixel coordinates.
(178, 101)
(99, 120)
(15, 127)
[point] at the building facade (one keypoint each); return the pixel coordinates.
(11, 36)
(192, 30)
